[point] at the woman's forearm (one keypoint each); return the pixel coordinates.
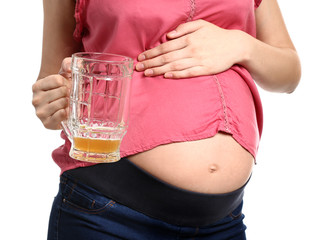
(58, 42)
(275, 69)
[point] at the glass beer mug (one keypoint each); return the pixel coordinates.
(98, 105)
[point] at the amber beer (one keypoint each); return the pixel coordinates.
(96, 145)
(95, 149)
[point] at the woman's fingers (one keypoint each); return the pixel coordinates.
(49, 89)
(196, 48)
(172, 56)
(48, 102)
(54, 121)
(50, 95)
(55, 94)
(187, 73)
(173, 66)
(179, 40)
(49, 83)
(185, 28)
(164, 48)
(162, 60)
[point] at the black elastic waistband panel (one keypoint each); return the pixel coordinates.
(129, 185)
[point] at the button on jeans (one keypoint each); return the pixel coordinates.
(81, 213)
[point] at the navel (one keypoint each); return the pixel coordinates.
(213, 168)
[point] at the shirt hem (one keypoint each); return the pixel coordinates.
(194, 137)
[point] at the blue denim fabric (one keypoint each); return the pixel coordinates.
(81, 213)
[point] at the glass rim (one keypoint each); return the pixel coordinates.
(81, 55)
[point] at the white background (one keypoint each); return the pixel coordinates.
(290, 193)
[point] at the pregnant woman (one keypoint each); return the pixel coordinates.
(196, 115)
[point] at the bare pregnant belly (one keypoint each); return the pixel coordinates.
(214, 165)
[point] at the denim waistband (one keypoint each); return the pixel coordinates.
(131, 186)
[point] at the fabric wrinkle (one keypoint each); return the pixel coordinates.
(79, 18)
(257, 3)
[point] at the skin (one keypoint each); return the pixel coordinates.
(214, 165)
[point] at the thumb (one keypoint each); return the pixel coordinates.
(65, 69)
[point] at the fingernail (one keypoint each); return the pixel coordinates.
(140, 66)
(141, 57)
(149, 72)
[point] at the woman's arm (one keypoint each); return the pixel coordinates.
(201, 48)
(271, 58)
(50, 91)
(58, 42)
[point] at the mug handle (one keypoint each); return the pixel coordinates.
(66, 129)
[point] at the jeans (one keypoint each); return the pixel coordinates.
(82, 213)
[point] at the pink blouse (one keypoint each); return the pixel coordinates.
(165, 110)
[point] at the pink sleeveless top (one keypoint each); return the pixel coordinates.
(164, 110)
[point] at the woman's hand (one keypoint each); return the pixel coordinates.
(195, 48)
(50, 96)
